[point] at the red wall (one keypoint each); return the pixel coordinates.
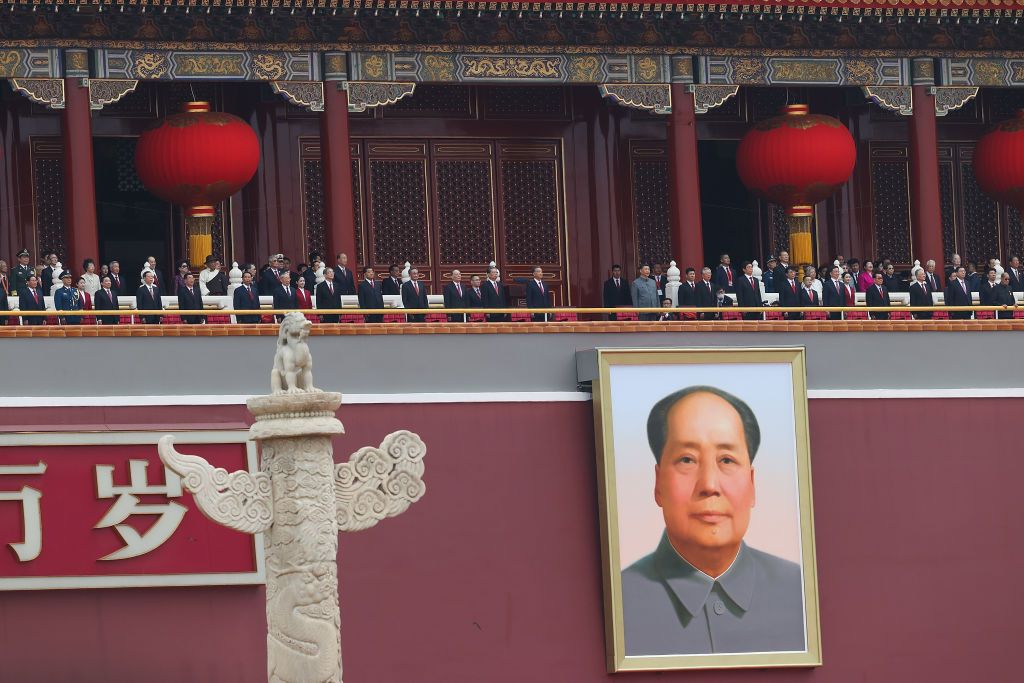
(495, 575)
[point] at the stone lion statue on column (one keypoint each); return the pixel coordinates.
(293, 364)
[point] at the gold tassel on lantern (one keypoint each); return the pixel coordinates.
(799, 219)
(199, 228)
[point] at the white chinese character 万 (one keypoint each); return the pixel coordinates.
(29, 497)
(127, 504)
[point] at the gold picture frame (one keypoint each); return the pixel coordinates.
(622, 386)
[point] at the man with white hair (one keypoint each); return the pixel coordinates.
(931, 277)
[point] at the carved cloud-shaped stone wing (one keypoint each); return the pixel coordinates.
(380, 482)
(238, 500)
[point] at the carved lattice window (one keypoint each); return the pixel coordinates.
(434, 100)
(357, 209)
(530, 208)
(313, 205)
(890, 204)
(1014, 234)
(48, 191)
(981, 218)
(465, 213)
(651, 214)
(946, 205)
(398, 211)
(526, 101)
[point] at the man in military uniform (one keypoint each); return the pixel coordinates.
(19, 279)
(67, 298)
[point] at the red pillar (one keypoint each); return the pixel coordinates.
(79, 181)
(925, 196)
(684, 181)
(337, 161)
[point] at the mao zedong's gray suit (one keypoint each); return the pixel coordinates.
(669, 607)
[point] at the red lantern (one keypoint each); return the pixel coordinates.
(796, 160)
(196, 159)
(999, 162)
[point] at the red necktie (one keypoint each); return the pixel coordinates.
(728, 274)
(458, 288)
(330, 287)
(35, 295)
(792, 283)
(416, 287)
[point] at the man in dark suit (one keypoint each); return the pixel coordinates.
(344, 278)
(1016, 275)
(392, 284)
(987, 290)
(328, 295)
(315, 259)
(891, 282)
(748, 291)
(1004, 296)
(616, 291)
(191, 299)
(455, 296)
(832, 293)
(921, 295)
(537, 295)
(51, 260)
(147, 298)
(414, 296)
(246, 298)
(106, 300)
(270, 276)
(30, 298)
(658, 275)
(721, 301)
(933, 279)
(789, 292)
(779, 273)
(809, 297)
(117, 282)
(475, 293)
(957, 294)
(706, 293)
(494, 297)
(686, 295)
(878, 295)
(370, 295)
(284, 295)
(724, 276)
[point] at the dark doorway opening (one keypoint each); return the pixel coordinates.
(728, 210)
(132, 223)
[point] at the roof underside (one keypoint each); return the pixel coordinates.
(937, 8)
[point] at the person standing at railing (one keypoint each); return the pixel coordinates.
(687, 294)
(789, 293)
(117, 283)
(1004, 296)
(106, 300)
(284, 294)
(833, 293)
(933, 279)
(878, 295)
(344, 279)
(957, 294)
(30, 298)
(616, 291)
(537, 295)
(190, 299)
(724, 276)
(645, 293)
(808, 294)
(246, 298)
(147, 298)
(494, 296)
(748, 291)
(921, 295)
(475, 294)
(328, 295)
(987, 291)
(706, 293)
(370, 295)
(67, 298)
(414, 296)
(455, 297)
